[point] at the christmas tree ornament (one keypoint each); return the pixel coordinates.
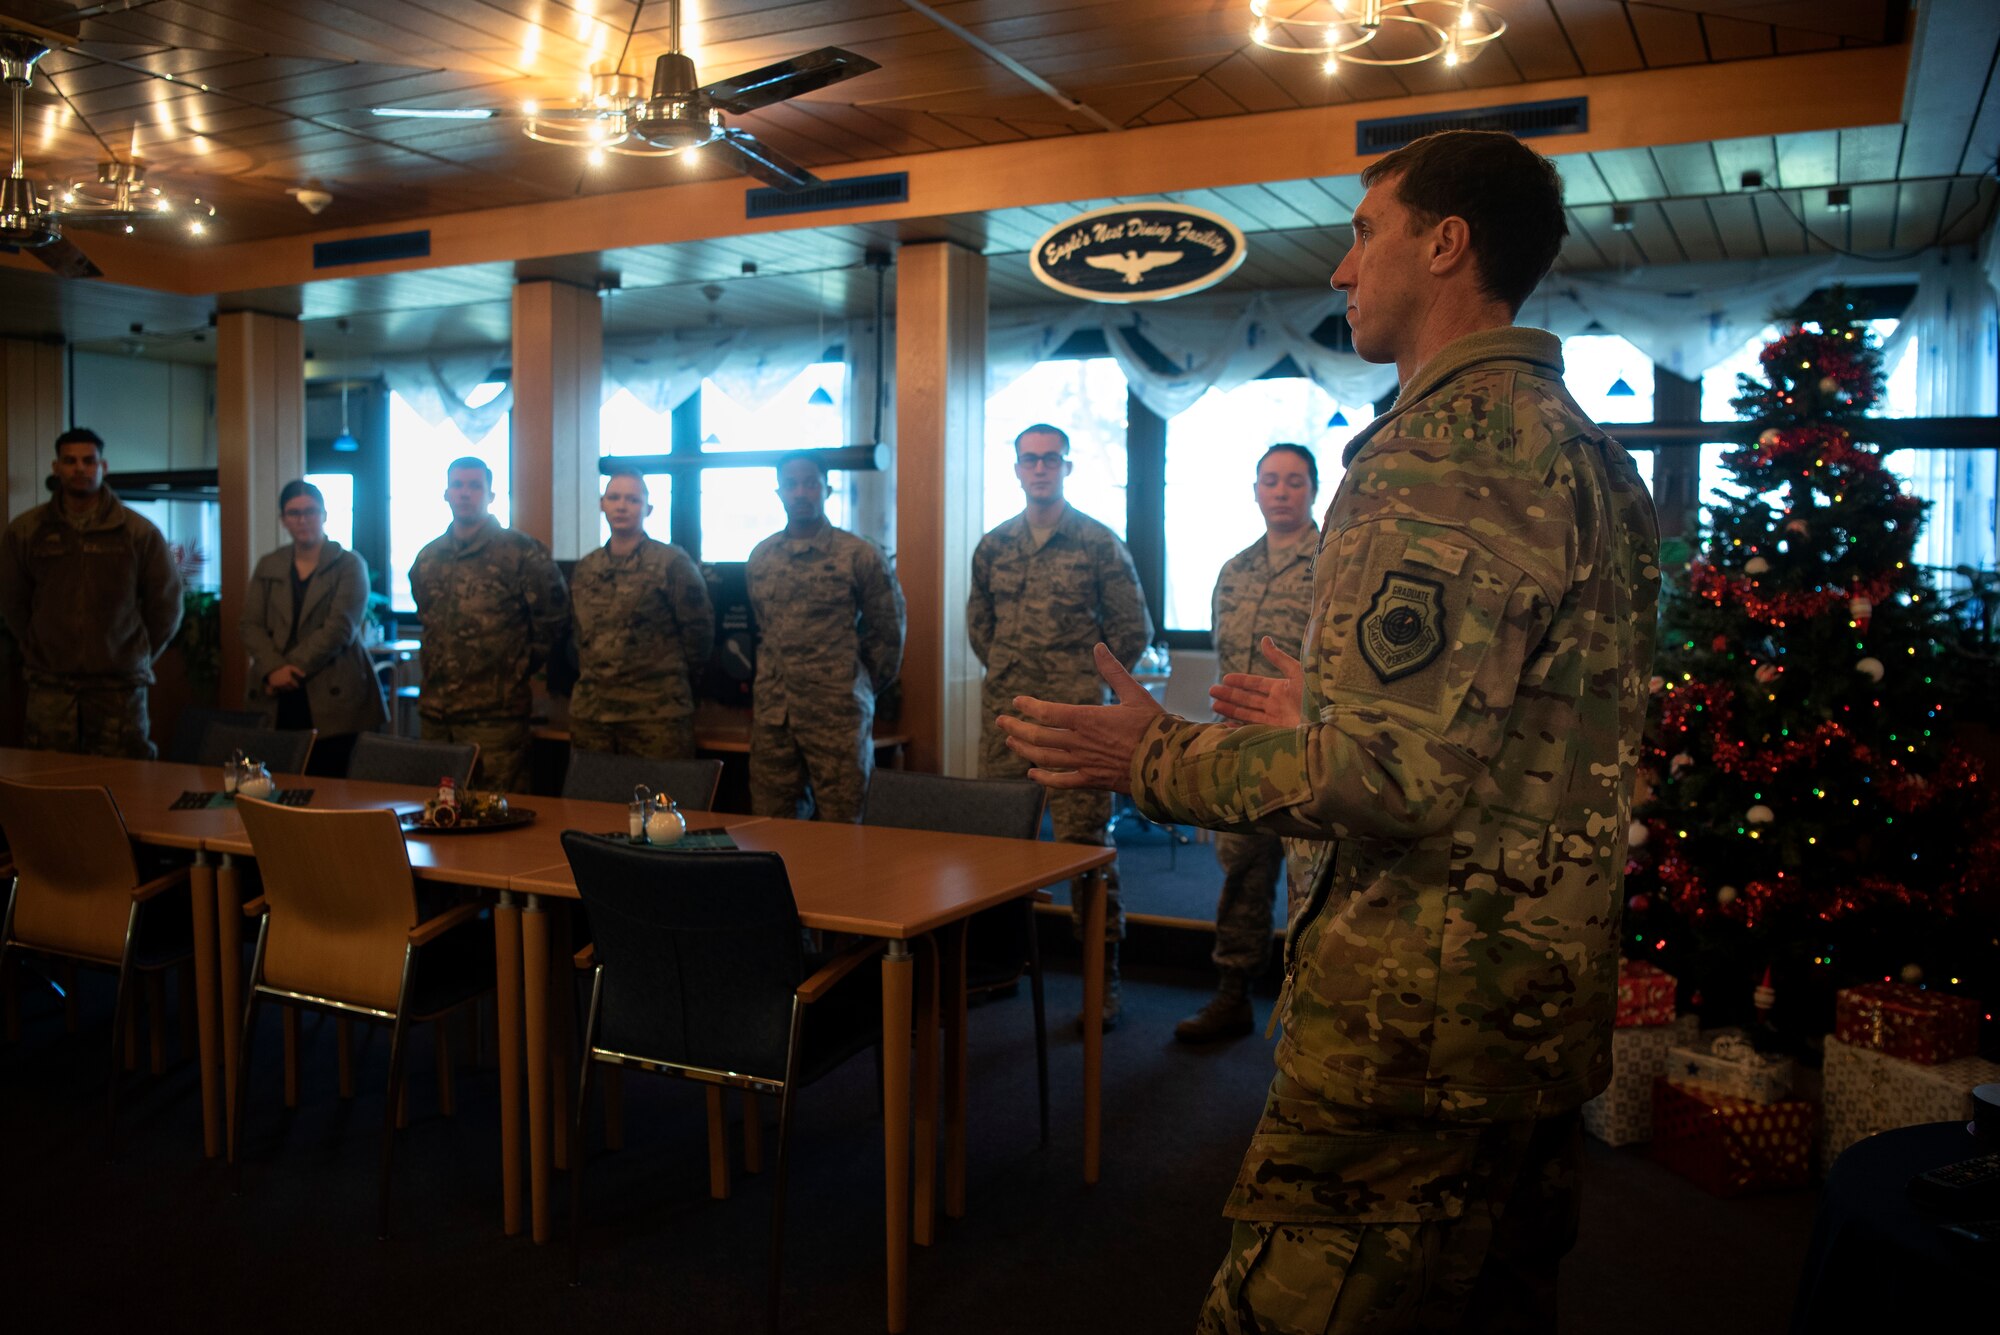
(1726, 895)
(1756, 565)
(1798, 526)
(1760, 815)
(1912, 974)
(1870, 668)
(1768, 673)
(1861, 609)
(1768, 437)
(1656, 685)
(1828, 385)
(1764, 997)
(1719, 644)
(1639, 903)
(1637, 834)
(1680, 764)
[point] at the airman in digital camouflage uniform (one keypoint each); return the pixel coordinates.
(494, 608)
(1046, 586)
(830, 628)
(643, 631)
(1463, 736)
(1263, 593)
(91, 594)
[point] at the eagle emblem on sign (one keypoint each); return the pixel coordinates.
(1403, 629)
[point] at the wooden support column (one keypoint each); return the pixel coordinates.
(940, 514)
(558, 375)
(260, 433)
(31, 417)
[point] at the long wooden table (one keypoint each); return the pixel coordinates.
(898, 885)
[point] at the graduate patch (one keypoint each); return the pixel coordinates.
(1403, 629)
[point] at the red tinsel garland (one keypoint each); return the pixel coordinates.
(1724, 589)
(1799, 354)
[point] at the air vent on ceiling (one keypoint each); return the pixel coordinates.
(1523, 120)
(854, 192)
(371, 249)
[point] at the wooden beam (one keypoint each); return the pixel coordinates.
(1838, 89)
(32, 414)
(558, 372)
(260, 430)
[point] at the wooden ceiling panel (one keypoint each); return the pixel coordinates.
(1869, 20)
(1251, 86)
(1872, 153)
(1733, 157)
(1793, 41)
(1778, 220)
(1871, 223)
(1600, 34)
(1630, 173)
(1736, 223)
(1535, 42)
(1694, 229)
(1965, 211)
(1808, 160)
(1582, 182)
(1688, 169)
(1668, 36)
(1735, 39)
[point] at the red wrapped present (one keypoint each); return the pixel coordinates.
(1731, 1147)
(1645, 994)
(1908, 1022)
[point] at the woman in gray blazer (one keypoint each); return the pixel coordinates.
(302, 627)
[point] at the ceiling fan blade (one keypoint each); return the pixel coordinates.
(786, 79)
(62, 257)
(765, 163)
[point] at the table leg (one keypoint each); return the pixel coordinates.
(951, 991)
(535, 1012)
(896, 980)
(507, 1020)
(924, 1094)
(229, 973)
(1093, 1019)
(208, 1028)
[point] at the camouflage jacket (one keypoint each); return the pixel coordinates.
(1034, 615)
(830, 621)
(1475, 684)
(92, 601)
(643, 632)
(494, 608)
(1255, 597)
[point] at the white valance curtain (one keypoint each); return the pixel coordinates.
(437, 387)
(749, 365)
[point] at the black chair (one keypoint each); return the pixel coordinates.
(384, 759)
(1001, 942)
(283, 751)
(191, 730)
(597, 777)
(699, 970)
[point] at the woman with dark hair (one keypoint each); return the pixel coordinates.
(302, 628)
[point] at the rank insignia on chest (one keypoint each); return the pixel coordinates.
(1403, 629)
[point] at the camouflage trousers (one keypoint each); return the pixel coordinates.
(818, 768)
(503, 749)
(1080, 816)
(1348, 1222)
(90, 720)
(1250, 867)
(652, 738)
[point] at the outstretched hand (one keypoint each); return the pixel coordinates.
(1243, 697)
(1084, 746)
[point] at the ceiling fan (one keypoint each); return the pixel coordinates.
(678, 114)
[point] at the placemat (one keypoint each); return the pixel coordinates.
(198, 801)
(694, 841)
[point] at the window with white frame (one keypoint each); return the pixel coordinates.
(739, 506)
(418, 456)
(1085, 397)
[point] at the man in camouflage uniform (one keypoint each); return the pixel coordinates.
(1046, 586)
(643, 631)
(1462, 736)
(90, 592)
(830, 627)
(494, 608)
(1263, 595)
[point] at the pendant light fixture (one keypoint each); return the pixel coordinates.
(345, 443)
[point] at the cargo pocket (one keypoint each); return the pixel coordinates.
(1280, 1278)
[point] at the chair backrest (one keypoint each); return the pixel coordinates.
(342, 900)
(191, 730)
(1008, 808)
(283, 751)
(75, 867)
(700, 952)
(385, 759)
(596, 777)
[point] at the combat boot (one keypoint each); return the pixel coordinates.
(1113, 1010)
(1227, 1014)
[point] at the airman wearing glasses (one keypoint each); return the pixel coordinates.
(1047, 585)
(301, 625)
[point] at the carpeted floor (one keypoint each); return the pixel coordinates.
(156, 1240)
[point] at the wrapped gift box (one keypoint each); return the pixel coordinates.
(1869, 1092)
(1645, 994)
(1623, 1113)
(1908, 1022)
(1731, 1147)
(1724, 1063)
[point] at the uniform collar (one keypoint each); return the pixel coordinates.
(1301, 550)
(819, 542)
(1510, 343)
(108, 513)
(480, 537)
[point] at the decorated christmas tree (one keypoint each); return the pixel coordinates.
(1810, 815)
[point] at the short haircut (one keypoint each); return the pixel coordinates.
(627, 470)
(296, 488)
(79, 435)
(1043, 429)
(469, 461)
(1510, 196)
(815, 458)
(1286, 447)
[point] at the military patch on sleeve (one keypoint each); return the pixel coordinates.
(1403, 629)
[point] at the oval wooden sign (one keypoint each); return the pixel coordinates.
(1138, 252)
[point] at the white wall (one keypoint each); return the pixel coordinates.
(152, 415)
